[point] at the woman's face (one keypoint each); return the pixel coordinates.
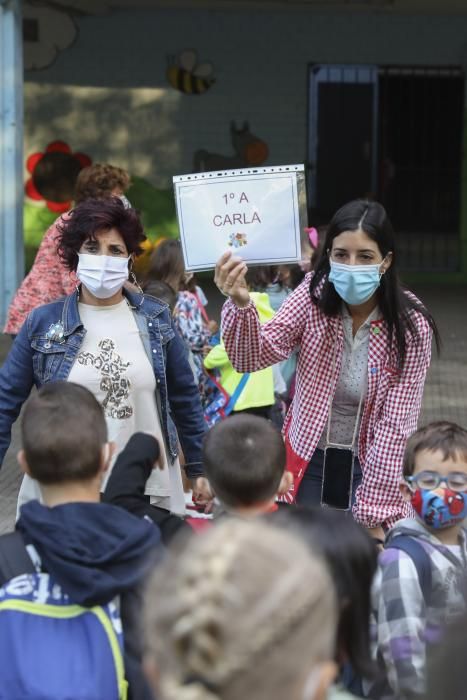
(355, 248)
(105, 243)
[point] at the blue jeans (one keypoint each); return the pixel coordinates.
(309, 492)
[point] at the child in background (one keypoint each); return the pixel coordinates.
(419, 587)
(257, 395)
(165, 272)
(191, 284)
(195, 333)
(165, 278)
(270, 281)
(244, 460)
(243, 456)
(242, 611)
(352, 559)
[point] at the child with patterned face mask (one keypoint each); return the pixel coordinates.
(420, 584)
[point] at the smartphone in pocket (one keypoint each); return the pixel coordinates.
(336, 488)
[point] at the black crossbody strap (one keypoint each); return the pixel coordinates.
(14, 557)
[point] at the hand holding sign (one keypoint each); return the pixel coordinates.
(230, 278)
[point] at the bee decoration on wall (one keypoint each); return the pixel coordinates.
(185, 74)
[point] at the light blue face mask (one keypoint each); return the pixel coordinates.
(355, 284)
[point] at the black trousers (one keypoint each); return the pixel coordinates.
(309, 492)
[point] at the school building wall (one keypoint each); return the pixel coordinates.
(108, 95)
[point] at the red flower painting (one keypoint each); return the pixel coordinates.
(53, 175)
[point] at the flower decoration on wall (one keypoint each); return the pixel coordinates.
(53, 175)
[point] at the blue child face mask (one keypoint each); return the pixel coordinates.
(441, 508)
(355, 284)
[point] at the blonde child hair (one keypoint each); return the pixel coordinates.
(243, 611)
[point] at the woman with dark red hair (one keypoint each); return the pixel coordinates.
(119, 344)
(48, 278)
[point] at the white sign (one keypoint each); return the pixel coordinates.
(254, 213)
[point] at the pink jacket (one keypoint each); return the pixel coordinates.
(47, 281)
(392, 404)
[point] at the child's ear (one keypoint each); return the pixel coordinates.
(286, 483)
(108, 451)
(405, 491)
(22, 461)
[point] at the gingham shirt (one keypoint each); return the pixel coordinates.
(392, 403)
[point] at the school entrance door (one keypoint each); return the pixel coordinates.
(393, 134)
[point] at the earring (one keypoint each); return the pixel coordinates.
(136, 283)
(77, 287)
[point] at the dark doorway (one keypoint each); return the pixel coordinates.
(344, 154)
(343, 136)
(398, 137)
(420, 137)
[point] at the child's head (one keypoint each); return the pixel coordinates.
(161, 291)
(244, 460)
(435, 474)
(259, 278)
(166, 265)
(243, 611)
(352, 559)
(64, 434)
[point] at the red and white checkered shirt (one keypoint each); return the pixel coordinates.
(391, 408)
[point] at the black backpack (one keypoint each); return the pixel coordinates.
(14, 557)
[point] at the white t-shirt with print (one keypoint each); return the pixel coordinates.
(112, 363)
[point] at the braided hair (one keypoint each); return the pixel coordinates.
(242, 607)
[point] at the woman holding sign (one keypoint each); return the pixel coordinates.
(364, 349)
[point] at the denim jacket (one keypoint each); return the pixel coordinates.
(49, 342)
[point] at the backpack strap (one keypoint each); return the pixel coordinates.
(14, 557)
(236, 395)
(420, 558)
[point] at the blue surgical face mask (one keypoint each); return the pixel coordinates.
(355, 284)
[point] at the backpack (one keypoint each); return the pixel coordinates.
(219, 404)
(51, 649)
(421, 560)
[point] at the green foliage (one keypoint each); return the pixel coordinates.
(157, 208)
(36, 221)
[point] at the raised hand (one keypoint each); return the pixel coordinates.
(230, 278)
